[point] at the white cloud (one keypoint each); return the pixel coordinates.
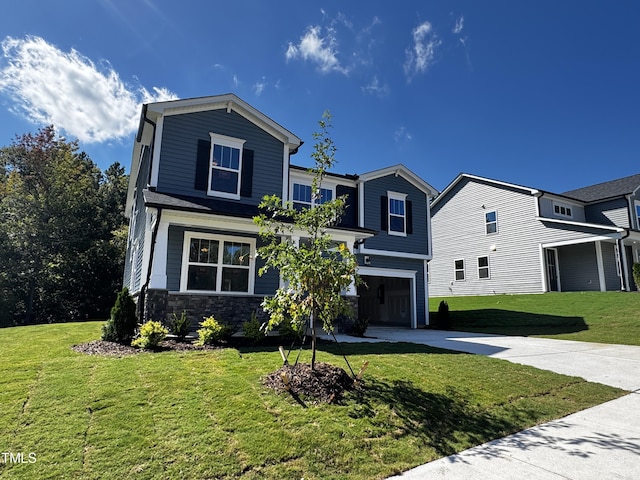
(259, 86)
(68, 90)
(459, 25)
(317, 49)
(422, 54)
(402, 135)
(376, 88)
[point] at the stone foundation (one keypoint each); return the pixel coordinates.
(160, 305)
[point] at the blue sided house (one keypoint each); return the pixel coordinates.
(199, 170)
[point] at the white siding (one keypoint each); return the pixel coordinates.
(458, 225)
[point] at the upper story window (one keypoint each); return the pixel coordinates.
(397, 223)
(637, 214)
(562, 210)
(491, 222)
(303, 197)
(225, 166)
(215, 263)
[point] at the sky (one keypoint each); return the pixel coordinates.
(541, 93)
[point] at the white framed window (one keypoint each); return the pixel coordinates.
(458, 269)
(225, 166)
(483, 268)
(217, 263)
(562, 210)
(397, 211)
(637, 214)
(302, 195)
(491, 222)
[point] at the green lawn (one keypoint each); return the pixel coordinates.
(606, 317)
(205, 414)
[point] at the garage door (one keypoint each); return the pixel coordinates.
(385, 300)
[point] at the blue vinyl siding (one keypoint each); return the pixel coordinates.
(416, 242)
(180, 135)
(264, 285)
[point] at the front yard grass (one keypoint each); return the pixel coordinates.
(205, 414)
(604, 317)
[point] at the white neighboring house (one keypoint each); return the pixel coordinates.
(494, 237)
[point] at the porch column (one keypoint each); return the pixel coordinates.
(159, 267)
(601, 279)
(352, 291)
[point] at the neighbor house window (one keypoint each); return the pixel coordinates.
(458, 269)
(491, 222)
(397, 214)
(217, 264)
(303, 198)
(562, 210)
(483, 267)
(637, 215)
(226, 166)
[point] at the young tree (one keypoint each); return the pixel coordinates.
(315, 269)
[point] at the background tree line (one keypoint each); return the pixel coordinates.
(62, 231)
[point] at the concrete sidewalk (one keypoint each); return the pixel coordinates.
(599, 443)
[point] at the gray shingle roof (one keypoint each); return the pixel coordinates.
(600, 191)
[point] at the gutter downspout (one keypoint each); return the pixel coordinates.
(622, 255)
(143, 290)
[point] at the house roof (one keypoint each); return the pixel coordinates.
(216, 206)
(462, 176)
(402, 171)
(604, 190)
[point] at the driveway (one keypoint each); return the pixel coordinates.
(599, 443)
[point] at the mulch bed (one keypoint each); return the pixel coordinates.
(112, 349)
(326, 384)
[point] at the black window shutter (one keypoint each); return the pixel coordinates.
(246, 181)
(409, 207)
(202, 165)
(384, 212)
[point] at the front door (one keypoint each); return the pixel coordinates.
(552, 270)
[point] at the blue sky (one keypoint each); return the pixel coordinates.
(544, 94)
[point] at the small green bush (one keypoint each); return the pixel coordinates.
(357, 326)
(151, 334)
(180, 326)
(443, 320)
(122, 324)
(252, 329)
(213, 332)
(636, 275)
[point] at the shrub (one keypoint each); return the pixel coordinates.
(443, 320)
(213, 332)
(180, 326)
(122, 324)
(357, 326)
(291, 331)
(151, 334)
(636, 275)
(252, 329)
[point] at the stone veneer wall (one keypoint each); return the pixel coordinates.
(160, 305)
(230, 309)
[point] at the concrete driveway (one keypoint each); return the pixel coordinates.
(599, 443)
